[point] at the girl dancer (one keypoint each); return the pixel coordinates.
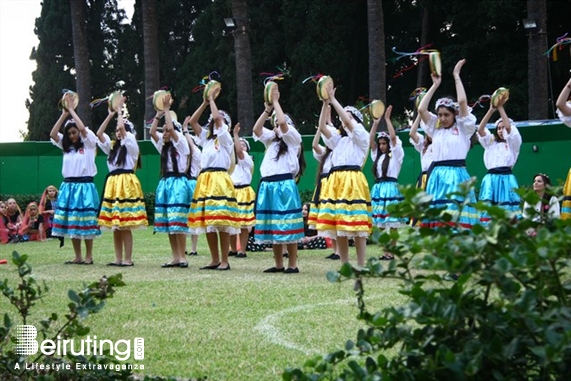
(564, 113)
(500, 155)
(387, 155)
(423, 145)
(173, 196)
(345, 206)
(78, 201)
(192, 174)
(245, 195)
(451, 130)
(278, 204)
(213, 208)
(123, 205)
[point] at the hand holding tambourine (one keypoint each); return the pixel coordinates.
(275, 94)
(330, 91)
(167, 102)
(500, 97)
(214, 93)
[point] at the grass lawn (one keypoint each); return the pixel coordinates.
(225, 325)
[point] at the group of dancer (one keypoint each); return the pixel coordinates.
(205, 184)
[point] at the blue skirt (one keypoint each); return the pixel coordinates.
(77, 211)
(172, 205)
(383, 194)
(498, 189)
(442, 181)
(278, 212)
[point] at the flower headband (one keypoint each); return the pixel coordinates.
(224, 116)
(446, 102)
(500, 120)
(288, 119)
(383, 134)
(356, 113)
(246, 143)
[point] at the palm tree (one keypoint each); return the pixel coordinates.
(81, 56)
(243, 66)
(537, 62)
(151, 55)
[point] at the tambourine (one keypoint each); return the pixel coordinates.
(435, 63)
(500, 96)
(377, 108)
(268, 89)
(210, 88)
(158, 98)
(75, 100)
(113, 101)
(322, 87)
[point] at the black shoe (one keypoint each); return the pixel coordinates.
(193, 253)
(241, 255)
(333, 256)
(210, 267)
(291, 270)
(224, 268)
(451, 277)
(286, 255)
(114, 264)
(232, 253)
(184, 265)
(170, 264)
(274, 270)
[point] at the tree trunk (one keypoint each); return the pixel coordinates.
(151, 57)
(537, 61)
(422, 77)
(81, 57)
(245, 101)
(377, 56)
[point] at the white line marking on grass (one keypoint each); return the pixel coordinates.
(268, 329)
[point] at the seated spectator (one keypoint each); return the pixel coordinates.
(14, 220)
(32, 224)
(547, 207)
(311, 239)
(47, 208)
(3, 223)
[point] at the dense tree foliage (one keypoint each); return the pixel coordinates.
(303, 37)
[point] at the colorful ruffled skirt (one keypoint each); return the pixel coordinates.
(384, 193)
(77, 209)
(314, 208)
(246, 200)
(172, 202)
(345, 205)
(214, 207)
(442, 181)
(123, 204)
(499, 190)
(278, 211)
(566, 205)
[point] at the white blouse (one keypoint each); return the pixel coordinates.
(427, 157)
(553, 212)
(328, 163)
(450, 143)
(243, 171)
(395, 162)
(130, 142)
(287, 162)
(565, 119)
(195, 162)
(182, 151)
(216, 152)
(501, 154)
(79, 163)
(351, 149)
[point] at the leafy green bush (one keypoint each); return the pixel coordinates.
(507, 317)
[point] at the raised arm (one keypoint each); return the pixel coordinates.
(339, 108)
(169, 127)
(76, 118)
(196, 115)
(505, 118)
(57, 126)
(562, 100)
(259, 125)
(218, 121)
(413, 133)
(423, 106)
(390, 127)
(280, 116)
(237, 145)
(460, 92)
(373, 134)
(103, 127)
(186, 134)
(323, 118)
(485, 120)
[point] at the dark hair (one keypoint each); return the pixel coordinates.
(546, 195)
(168, 149)
(322, 163)
(66, 141)
(386, 160)
(189, 167)
(497, 137)
(427, 142)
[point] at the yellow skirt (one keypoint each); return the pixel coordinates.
(566, 205)
(246, 200)
(345, 206)
(214, 207)
(123, 205)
